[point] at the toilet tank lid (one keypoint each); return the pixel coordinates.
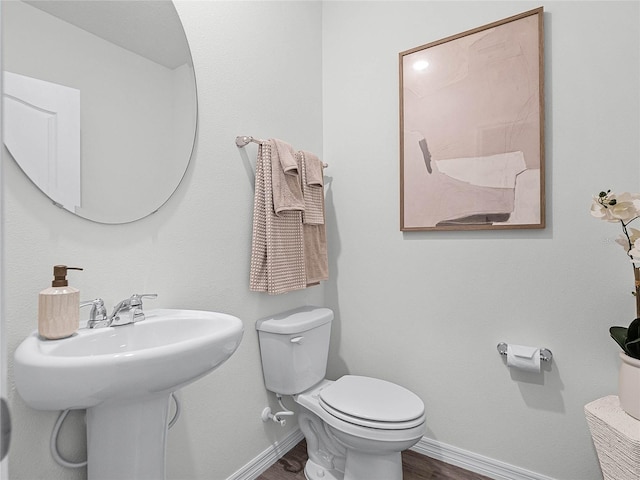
(295, 321)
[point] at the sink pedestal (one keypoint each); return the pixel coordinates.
(126, 438)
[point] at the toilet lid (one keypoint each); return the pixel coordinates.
(372, 402)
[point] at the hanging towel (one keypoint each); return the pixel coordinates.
(314, 233)
(312, 189)
(285, 177)
(277, 246)
(315, 253)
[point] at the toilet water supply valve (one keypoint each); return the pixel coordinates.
(277, 417)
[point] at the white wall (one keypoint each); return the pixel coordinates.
(258, 67)
(422, 309)
(426, 309)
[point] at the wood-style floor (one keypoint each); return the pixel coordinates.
(414, 466)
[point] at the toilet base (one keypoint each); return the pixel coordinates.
(313, 471)
(365, 466)
(360, 466)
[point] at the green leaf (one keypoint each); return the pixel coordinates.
(619, 334)
(632, 348)
(633, 333)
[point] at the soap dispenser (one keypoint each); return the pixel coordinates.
(59, 306)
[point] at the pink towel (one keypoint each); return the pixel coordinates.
(312, 189)
(277, 246)
(285, 178)
(314, 233)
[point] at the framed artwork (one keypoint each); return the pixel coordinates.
(472, 129)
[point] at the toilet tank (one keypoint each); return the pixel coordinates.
(294, 346)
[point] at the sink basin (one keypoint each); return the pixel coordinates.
(124, 376)
(163, 352)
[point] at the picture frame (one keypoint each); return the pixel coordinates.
(472, 129)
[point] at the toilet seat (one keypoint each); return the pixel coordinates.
(395, 434)
(371, 402)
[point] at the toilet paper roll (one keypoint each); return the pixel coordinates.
(523, 357)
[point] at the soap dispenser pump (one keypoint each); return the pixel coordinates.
(59, 306)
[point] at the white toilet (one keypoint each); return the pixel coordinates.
(355, 427)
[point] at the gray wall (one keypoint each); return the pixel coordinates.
(422, 309)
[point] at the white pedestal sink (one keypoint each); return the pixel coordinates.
(124, 377)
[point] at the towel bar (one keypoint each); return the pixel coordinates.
(244, 140)
(545, 353)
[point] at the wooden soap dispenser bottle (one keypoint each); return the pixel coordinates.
(59, 306)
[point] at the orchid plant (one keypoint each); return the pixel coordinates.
(624, 208)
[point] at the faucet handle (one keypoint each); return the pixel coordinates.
(136, 298)
(136, 313)
(98, 313)
(97, 306)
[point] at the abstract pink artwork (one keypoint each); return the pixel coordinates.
(472, 129)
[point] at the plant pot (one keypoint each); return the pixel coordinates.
(629, 385)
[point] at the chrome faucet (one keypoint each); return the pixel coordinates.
(127, 311)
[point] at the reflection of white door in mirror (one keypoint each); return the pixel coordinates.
(42, 132)
(131, 62)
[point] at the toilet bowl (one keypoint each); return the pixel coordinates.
(368, 423)
(355, 427)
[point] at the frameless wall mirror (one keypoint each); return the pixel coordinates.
(100, 106)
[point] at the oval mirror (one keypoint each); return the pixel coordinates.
(100, 106)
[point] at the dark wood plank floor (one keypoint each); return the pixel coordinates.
(414, 466)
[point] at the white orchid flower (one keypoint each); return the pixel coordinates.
(628, 243)
(635, 251)
(627, 207)
(612, 207)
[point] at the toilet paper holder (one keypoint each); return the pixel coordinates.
(545, 353)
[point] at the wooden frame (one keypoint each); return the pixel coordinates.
(472, 129)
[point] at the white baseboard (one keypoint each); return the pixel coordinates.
(426, 446)
(473, 462)
(271, 455)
